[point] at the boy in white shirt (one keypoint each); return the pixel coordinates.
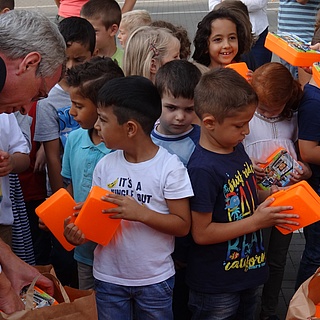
(135, 273)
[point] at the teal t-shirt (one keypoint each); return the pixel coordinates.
(79, 160)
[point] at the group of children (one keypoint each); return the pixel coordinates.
(178, 144)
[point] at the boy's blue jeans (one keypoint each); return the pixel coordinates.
(144, 302)
(240, 305)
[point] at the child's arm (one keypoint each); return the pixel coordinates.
(16, 162)
(205, 232)
(176, 223)
(41, 160)
(128, 5)
(52, 150)
(310, 151)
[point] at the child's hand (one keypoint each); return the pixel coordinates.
(42, 226)
(267, 216)
(72, 233)
(128, 208)
(6, 163)
(300, 174)
(260, 174)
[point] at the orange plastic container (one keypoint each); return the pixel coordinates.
(240, 67)
(95, 225)
(305, 202)
(54, 211)
(277, 168)
(291, 49)
(316, 72)
(317, 311)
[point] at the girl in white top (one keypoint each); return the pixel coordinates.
(274, 125)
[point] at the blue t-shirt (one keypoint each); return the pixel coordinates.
(309, 125)
(225, 185)
(79, 160)
(182, 145)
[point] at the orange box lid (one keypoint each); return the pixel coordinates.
(292, 49)
(95, 225)
(53, 211)
(316, 72)
(240, 67)
(305, 202)
(277, 168)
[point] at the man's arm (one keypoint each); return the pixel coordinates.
(57, 3)
(15, 275)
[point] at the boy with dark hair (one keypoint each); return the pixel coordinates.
(54, 123)
(134, 273)
(226, 262)
(176, 81)
(84, 147)
(105, 16)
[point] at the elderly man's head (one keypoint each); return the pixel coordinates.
(33, 53)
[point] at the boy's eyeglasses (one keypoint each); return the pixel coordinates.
(43, 91)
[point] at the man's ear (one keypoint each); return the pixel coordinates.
(113, 30)
(209, 121)
(29, 62)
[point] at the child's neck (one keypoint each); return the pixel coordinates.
(109, 50)
(93, 134)
(139, 152)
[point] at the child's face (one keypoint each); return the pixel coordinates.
(103, 36)
(222, 43)
(226, 135)
(82, 109)
(177, 115)
(77, 53)
(173, 52)
(270, 111)
(109, 130)
(123, 35)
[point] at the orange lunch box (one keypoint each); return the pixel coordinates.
(291, 49)
(305, 202)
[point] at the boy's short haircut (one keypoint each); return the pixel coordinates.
(108, 11)
(179, 32)
(134, 19)
(90, 76)
(6, 4)
(76, 29)
(132, 98)
(178, 78)
(222, 92)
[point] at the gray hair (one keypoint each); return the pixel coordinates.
(22, 32)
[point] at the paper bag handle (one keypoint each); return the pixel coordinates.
(30, 292)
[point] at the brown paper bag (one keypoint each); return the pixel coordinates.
(74, 304)
(303, 304)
